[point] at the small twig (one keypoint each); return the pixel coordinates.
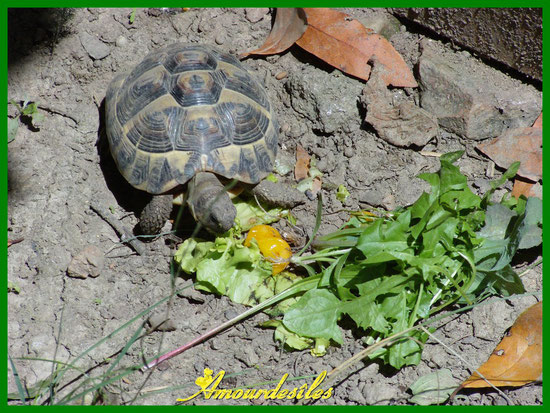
(56, 111)
(14, 241)
(510, 402)
(430, 153)
(125, 235)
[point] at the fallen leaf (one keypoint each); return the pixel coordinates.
(301, 169)
(346, 44)
(538, 122)
(520, 144)
(316, 185)
(289, 25)
(517, 360)
(522, 187)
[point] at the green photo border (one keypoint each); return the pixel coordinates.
(238, 3)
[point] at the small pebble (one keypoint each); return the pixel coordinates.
(160, 323)
(121, 41)
(220, 38)
(255, 14)
(87, 263)
(281, 75)
(349, 152)
(95, 48)
(285, 127)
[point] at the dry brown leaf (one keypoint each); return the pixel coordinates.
(522, 187)
(316, 185)
(289, 25)
(517, 360)
(346, 44)
(301, 169)
(538, 122)
(520, 144)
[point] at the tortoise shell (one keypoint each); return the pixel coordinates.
(189, 108)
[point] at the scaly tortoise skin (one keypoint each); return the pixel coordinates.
(183, 111)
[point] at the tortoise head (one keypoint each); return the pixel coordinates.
(210, 204)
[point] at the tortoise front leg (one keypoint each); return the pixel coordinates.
(155, 214)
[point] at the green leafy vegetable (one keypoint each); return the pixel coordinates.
(250, 214)
(384, 274)
(227, 267)
(405, 267)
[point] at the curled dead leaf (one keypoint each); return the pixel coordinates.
(538, 122)
(316, 185)
(522, 187)
(517, 360)
(346, 44)
(519, 144)
(289, 25)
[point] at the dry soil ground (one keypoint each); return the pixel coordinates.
(56, 171)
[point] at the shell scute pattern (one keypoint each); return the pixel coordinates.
(189, 108)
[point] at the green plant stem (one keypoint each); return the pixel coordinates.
(319, 256)
(297, 288)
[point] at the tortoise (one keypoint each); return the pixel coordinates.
(190, 114)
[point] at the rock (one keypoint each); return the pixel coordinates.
(278, 194)
(403, 124)
(121, 41)
(371, 197)
(192, 295)
(382, 23)
(87, 263)
(158, 322)
(220, 37)
(255, 14)
(489, 321)
(471, 99)
(93, 46)
(328, 100)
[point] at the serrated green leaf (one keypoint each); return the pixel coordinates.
(451, 157)
(497, 219)
(433, 388)
(530, 232)
(37, 118)
(379, 240)
(288, 338)
(13, 126)
(530, 237)
(315, 315)
(29, 109)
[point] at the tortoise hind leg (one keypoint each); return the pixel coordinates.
(155, 214)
